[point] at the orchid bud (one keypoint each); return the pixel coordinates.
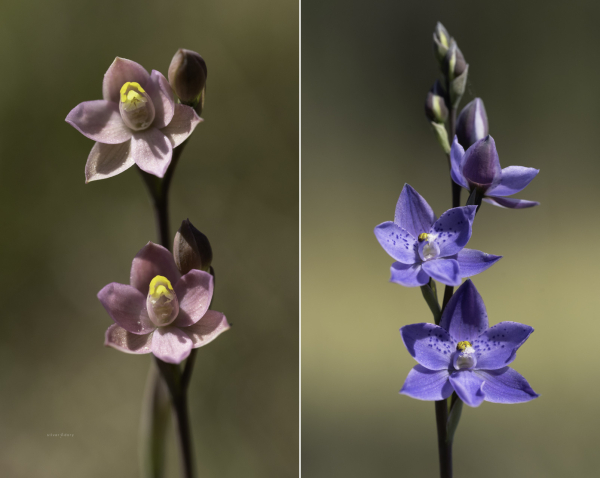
(454, 63)
(472, 123)
(441, 41)
(435, 105)
(191, 249)
(187, 75)
(481, 164)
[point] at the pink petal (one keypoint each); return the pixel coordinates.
(107, 160)
(161, 94)
(127, 307)
(194, 291)
(120, 72)
(182, 125)
(207, 329)
(151, 261)
(118, 338)
(151, 151)
(171, 345)
(99, 120)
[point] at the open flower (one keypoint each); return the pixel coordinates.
(463, 355)
(161, 311)
(137, 122)
(425, 246)
(479, 168)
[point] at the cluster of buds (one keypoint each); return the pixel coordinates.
(452, 62)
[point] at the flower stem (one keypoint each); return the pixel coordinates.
(170, 374)
(444, 445)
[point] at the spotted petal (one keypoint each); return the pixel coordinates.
(151, 151)
(151, 261)
(99, 120)
(429, 344)
(413, 213)
(182, 125)
(207, 329)
(452, 230)
(397, 242)
(425, 384)
(465, 317)
(161, 94)
(497, 346)
(505, 385)
(120, 339)
(107, 160)
(120, 72)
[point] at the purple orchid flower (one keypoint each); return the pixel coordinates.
(151, 315)
(479, 168)
(463, 355)
(425, 246)
(137, 122)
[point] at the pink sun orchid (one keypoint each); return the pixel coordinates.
(137, 122)
(161, 311)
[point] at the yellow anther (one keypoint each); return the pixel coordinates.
(423, 236)
(462, 346)
(160, 286)
(132, 84)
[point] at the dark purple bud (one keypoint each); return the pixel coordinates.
(454, 62)
(481, 165)
(472, 123)
(187, 75)
(441, 41)
(435, 106)
(191, 249)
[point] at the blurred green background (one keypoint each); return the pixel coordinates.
(366, 69)
(62, 240)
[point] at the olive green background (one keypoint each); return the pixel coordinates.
(366, 68)
(63, 240)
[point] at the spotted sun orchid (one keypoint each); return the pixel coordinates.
(425, 246)
(479, 168)
(137, 122)
(463, 355)
(161, 311)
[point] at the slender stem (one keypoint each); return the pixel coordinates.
(185, 435)
(444, 447)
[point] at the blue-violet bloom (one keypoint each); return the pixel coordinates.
(463, 355)
(479, 168)
(137, 122)
(161, 312)
(425, 246)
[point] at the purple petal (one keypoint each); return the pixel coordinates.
(127, 307)
(107, 160)
(120, 72)
(413, 213)
(151, 151)
(513, 180)
(171, 344)
(99, 120)
(465, 317)
(511, 203)
(445, 271)
(425, 384)
(194, 291)
(497, 346)
(397, 242)
(408, 275)
(429, 344)
(161, 94)
(182, 125)
(472, 262)
(481, 164)
(207, 329)
(151, 261)
(452, 230)
(468, 386)
(118, 338)
(505, 386)
(457, 154)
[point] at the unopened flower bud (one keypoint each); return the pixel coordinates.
(472, 123)
(441, 41)
(454, 63)
(481, 164)
(435, 106)
(191, 249)
(187, 75)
